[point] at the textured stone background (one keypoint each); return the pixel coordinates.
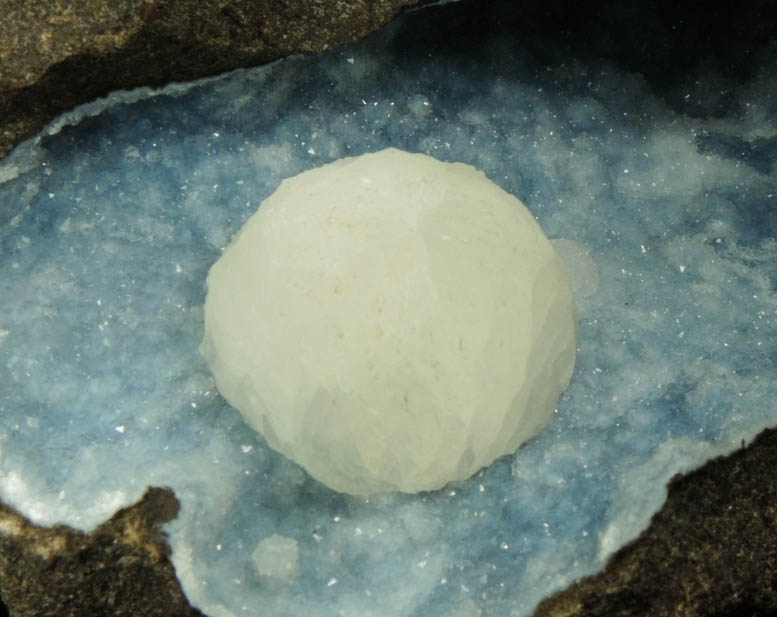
(122, 568)
(56, 54)
(711, 551)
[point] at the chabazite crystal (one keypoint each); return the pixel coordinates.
(391, 322)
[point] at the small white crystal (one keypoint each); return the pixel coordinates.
(277, 559)
(583, 273)
(391, 322)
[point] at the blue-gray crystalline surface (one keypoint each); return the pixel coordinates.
(108, 228)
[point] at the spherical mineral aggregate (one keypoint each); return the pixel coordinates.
(391, 322)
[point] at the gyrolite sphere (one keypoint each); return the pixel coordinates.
(391, 322)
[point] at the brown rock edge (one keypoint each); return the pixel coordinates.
(710, 551)
(55, 56)
(120, 569)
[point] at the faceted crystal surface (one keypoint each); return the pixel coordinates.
(391, 322)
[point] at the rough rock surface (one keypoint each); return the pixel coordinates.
(121, 568)
(710, 551)
(55, 55)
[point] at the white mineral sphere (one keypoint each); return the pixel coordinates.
(391, 322)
